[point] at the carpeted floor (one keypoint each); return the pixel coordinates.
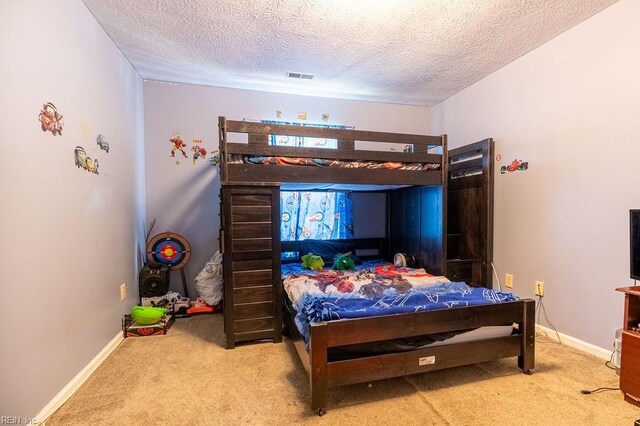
(188, 378)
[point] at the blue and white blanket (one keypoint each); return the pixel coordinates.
(374, 289)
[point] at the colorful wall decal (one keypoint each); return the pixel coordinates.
(102, 143)
(178, 145)
(215, 159)
(50, 119)
(498, 157)
(515, 166)
(84, 162)
(325, 117)
(302, 116)
(198, 151)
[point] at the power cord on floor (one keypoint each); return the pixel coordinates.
(541, 308)
(609, 364)
(587, 392)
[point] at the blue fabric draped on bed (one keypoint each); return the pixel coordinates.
(443, 296)
(375, 290)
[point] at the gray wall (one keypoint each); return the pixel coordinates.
(70, 237)
(569, 108)
(369, 214)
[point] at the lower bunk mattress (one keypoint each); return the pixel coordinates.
(377, 288)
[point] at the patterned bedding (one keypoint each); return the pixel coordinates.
(375, 288)
(321, 162)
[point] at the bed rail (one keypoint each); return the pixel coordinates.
(258, 145)
(365, 248)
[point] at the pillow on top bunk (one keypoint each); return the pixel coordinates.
(328, 250)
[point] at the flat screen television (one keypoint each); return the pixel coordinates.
(634, 240)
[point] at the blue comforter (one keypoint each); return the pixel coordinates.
(372, 291)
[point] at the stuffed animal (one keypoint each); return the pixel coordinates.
(344, 262)
(311, 261)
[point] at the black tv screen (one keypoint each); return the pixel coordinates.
(634, 218)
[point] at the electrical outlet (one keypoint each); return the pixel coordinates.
(508, 280)
(540, 288)
(123, 291)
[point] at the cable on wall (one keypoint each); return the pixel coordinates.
(495, 274)
(541, 308)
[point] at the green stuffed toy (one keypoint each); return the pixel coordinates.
(343, 262)
(311, 261)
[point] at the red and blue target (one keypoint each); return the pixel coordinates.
(169, 249)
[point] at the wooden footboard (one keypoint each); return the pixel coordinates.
(324, 374)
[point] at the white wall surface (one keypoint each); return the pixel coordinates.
(69, 236)
(571, 109)
(183, 197)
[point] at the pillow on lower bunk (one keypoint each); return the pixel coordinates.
(328, 250)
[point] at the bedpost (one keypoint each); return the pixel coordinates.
(318, 372)
(222, 147)
(526, 360)
(445, 193)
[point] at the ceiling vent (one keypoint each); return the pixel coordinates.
(300, 75)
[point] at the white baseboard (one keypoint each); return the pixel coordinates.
(581, 345)
(78, 380)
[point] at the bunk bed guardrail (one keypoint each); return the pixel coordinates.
(258, 145)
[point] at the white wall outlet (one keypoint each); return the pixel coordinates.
(540, 288)
(508, 280)
(123, 291)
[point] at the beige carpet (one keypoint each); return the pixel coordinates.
(188, 378)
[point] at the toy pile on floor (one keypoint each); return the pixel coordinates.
(181, 306)
(156, 314)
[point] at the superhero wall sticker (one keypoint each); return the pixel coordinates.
(179, 145)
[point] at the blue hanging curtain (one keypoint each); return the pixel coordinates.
(316, 215)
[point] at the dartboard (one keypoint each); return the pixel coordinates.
(170, 249)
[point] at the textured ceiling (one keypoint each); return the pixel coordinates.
(403, 51)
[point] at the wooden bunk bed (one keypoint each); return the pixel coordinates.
(251, 245)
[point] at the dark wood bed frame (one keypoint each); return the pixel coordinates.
(324, 373)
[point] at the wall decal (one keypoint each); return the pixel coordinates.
(278, 114)
(302, 116)
(198, 141)
(498, 157)
(198, 151)
(515, 166)
(215, 159)
(325, 117)
(85, 130)
(102, 143)
(50, 119)
(84, 162)
(178, 145)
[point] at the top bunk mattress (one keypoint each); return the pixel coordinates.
(375, 288)
(323, 162)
